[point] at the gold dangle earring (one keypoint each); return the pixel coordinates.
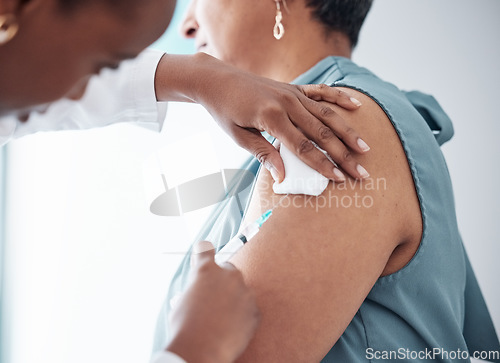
(8, 28)
(278, 30)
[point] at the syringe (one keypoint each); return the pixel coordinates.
(240, 239)
(232, 247)
(236, 243)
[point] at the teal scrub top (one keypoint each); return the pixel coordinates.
(430, 310)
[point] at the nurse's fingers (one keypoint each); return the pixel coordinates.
(203, 252)
(330, 118)
(297, 142)
(323, 92)
(265, 152)
(333, 135)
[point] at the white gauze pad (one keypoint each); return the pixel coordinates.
(299, 177)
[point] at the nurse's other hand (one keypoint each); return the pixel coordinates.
(295, 120)
(217, 316)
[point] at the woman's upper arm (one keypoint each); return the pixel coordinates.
(316, 259)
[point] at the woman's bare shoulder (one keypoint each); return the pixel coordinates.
(317, 258)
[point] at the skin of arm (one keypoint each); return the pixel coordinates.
(312, 265)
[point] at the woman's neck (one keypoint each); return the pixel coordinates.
(298, 51)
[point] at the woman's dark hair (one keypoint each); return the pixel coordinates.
(123, 8)
(346, 16)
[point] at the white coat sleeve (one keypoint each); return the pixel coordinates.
(167, 357)
(126, 94)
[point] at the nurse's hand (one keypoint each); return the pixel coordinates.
(217, 316)
(245, 104)
(289, 113)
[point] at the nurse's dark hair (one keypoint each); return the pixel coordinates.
(346, 16)
(71, 4)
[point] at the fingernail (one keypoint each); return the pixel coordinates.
(356, 101)
(362, 171)
(273, 171)
(363, 145)
(339, 174)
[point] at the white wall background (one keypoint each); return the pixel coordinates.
(88, 265)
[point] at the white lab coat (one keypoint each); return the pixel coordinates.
(167, 357)
(123, 95)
